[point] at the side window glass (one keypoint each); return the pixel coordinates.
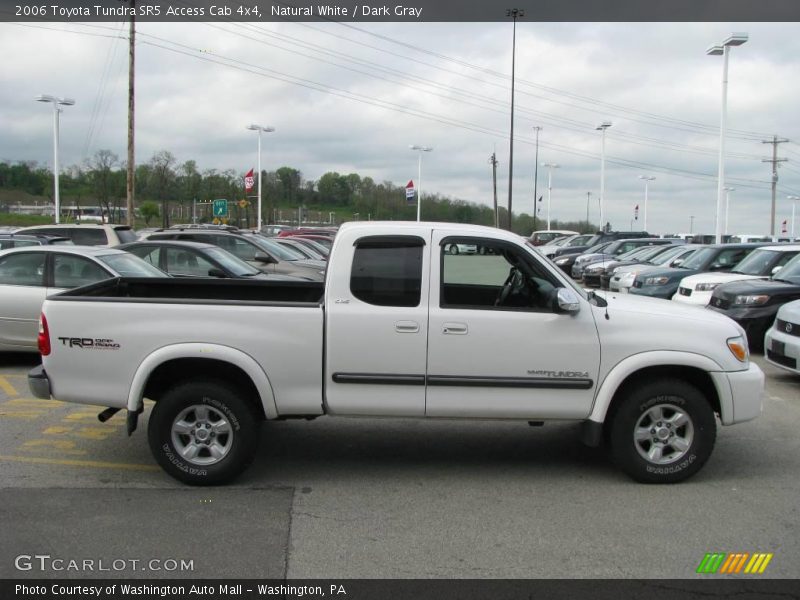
(148, 254)
(387, 271)
(22, 269)
(502, 278)
(244, 250)
(187, 263)
(89, 237)
(75, 271)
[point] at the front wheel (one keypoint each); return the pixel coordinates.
(662, 432)
(203, 433)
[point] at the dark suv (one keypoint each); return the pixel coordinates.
(601, 237)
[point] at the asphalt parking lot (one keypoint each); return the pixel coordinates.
(373, 498)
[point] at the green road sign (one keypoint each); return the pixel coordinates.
(221, 208)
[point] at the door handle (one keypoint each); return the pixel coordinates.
(406, 327)
(455, 329)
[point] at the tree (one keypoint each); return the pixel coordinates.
(105, 184)
(148, 210)
(162, 181)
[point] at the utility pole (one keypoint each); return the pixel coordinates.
(536, 128)
(514, 13)
(131, 160)
(774, 160)
(493, 162)
(588, 198)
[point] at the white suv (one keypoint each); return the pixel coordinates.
(87, 234)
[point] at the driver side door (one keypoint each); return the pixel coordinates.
(512, 357)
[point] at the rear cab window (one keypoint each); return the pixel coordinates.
(387, 270)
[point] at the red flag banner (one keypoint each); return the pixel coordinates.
(249, 182)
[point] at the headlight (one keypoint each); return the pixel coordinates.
(562, 261)
(751, 300)
(738, 347)
(614, 272)
(656, 280)
(595, 268)
(706, 287)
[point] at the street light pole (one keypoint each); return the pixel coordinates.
(420, 149)
(602, 127)
(727, 191)
(691, 223)
(56, 102)
(588, 198)
(514, 13)
(647, 179)
(794, 200)
(735, 39)
(550, 167)
(259, 129)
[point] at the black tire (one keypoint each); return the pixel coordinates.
(687, 421)
(223, 432)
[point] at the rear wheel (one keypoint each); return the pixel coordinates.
(203, 433)
(662, 432)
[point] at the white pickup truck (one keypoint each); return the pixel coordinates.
(400, 328)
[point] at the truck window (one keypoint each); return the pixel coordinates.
(502, 279)
(387, 271)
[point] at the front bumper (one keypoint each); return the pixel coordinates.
(741, 394)
(782, 350)
(694, 297)
(665, 291)
(38, 383)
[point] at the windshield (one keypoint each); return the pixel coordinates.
(128, 265)
(276, 249)
(597, 249)
(578, 240)
(232, 263)
(668, 255)
(699, 259)
(758, 262)
(791, 272)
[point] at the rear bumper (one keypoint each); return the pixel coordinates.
(38, 383)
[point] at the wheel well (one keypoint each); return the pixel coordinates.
(697, 377)
(173, 372)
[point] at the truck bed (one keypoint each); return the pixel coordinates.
(198, 291)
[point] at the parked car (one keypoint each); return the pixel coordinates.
(324, 240)
(754, 303)
(461, 249)
(571, 241)
(545, 236)
(28, 275)
(87, 234)
(623, 276)
(663, 283)
(759, 264)
(600, 238)
(782, 340)
(19, 240)
(253, 248)
(323, 251)
(194, 259)
(293, 243)
(633, 257)
(614, 249)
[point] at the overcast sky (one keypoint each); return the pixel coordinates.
(352, 97)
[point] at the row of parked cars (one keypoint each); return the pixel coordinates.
(755, 284)
(42, 260)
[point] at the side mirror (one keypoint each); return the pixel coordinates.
(215, 272)
(676, 262)
(776, 269)
(565, 301)
(264, 258)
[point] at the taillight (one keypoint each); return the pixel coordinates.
(44, 336)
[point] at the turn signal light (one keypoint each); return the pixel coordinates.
(738, 347)
(44, 336)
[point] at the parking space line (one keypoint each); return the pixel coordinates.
(33, 402)
(97, 464)
(6, 386)
(62, 446)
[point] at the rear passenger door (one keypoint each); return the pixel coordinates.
(22, 292)
(377, 326)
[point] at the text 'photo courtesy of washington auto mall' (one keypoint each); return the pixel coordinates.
(399, 300)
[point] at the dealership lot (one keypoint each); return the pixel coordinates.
(391, 498)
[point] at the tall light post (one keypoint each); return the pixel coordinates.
(647, 179)
(727, 191)
(550, 167)
(691, 223)
(259, 129)
(602, 127)
(588, 199)
(514, 13)
(56, 102)
(735, 39)
(420, 149)
(536, 128)
(794, 200)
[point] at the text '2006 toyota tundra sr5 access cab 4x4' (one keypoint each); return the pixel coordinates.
(400, 328)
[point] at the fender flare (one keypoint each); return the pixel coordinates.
(659, 358)
(206, 351)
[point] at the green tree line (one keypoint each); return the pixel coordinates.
(165, 190)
